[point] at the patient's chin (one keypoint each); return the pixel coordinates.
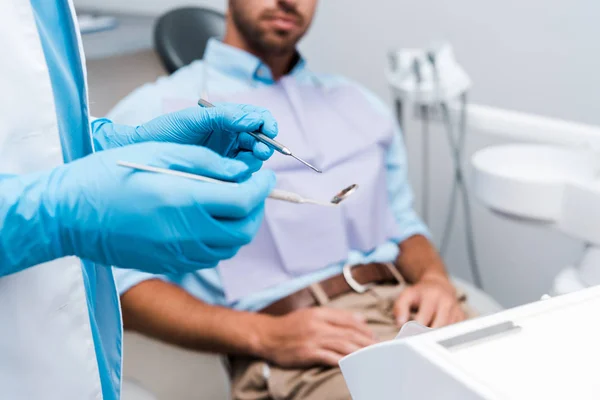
(279, 43)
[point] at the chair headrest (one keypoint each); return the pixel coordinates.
(181, 35)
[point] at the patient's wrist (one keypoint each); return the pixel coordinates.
(260, 336)
(436, 277)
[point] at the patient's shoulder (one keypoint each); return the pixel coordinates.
(335, 80)
(147, 101)
(185, 81)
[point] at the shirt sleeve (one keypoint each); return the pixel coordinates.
(400, 192)
(203, 284)
(128, 278)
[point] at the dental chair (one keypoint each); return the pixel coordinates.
(157, 371)
(180, 36)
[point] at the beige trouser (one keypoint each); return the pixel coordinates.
(254, 379)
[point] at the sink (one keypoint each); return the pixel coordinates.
(581, 211)
(529, 181)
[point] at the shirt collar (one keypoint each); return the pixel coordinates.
(241, 64)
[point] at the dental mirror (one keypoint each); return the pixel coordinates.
(292, 197)
(276, 194)
(344, 194)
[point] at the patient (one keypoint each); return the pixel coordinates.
(282, 308)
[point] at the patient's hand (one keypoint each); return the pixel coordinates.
(435, 302)
(313, 336)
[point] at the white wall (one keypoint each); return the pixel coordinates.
(538, 56)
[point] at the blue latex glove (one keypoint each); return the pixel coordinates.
(113, 215)
(221, 129)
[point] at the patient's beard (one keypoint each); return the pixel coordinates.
(260, 42)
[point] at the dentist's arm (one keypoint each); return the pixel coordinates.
(28, 233)
(94, 209)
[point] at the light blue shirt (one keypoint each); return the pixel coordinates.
(57, 34)
(226, 69)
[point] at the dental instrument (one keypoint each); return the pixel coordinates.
(276, 194)
(261, 137)
(344, 194)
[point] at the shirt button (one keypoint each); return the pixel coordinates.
(263, 73)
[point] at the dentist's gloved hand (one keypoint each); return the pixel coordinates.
(113, 215)
(221, 129)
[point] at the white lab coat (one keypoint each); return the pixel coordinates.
(46, 346)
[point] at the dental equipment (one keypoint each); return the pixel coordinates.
(433, 83)
(276, 194)
(550, 185)
(543, 350)
(275, 145)
(341, 196)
